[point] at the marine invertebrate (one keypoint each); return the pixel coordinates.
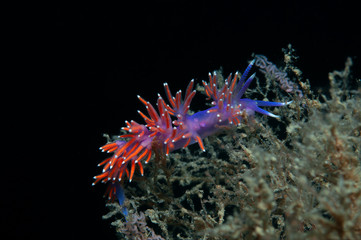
(170, 127)
(296, 179)
(281, 76)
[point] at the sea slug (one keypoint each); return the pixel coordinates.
(174, 128)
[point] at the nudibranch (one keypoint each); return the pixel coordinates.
(172, 126)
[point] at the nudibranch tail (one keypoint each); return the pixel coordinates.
(169, 126)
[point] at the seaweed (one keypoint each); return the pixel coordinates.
(297, 177)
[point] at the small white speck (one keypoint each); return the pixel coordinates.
(272, 115)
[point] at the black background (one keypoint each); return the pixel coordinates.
(104, 55)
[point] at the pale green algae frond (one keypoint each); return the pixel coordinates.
(297, 177)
